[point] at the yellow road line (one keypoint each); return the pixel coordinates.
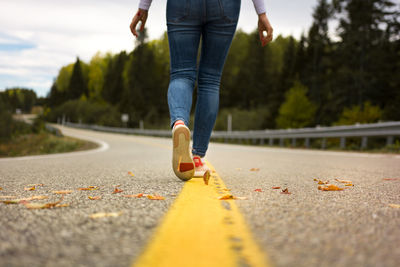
(200, 230)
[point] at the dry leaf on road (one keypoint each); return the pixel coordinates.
(254, 169)
(105, 214)
(31, 188)
(206, 177)
(35, 185)
(117, 190)
(391, 179)
(134, 196)
(348, 185)
(63, 192)
(276, 187)
(131, 174)
(257, 190)
(343, 181)
(94, 198)
(89, 188)
(155, 197)
(23, 200)
(43, 205)
(395, 206)
(229, 196)
(329, 187)
(285, 191)
(1, 188)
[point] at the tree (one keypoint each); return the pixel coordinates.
(297, 111)
(77, 86)
(113, 85)
(97, 68)
(360, 114)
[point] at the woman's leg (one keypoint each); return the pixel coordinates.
(184, 43)
(217, 35)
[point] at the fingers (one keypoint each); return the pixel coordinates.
(140, 16)
(134, 22)
(143, 23)
(265, 30)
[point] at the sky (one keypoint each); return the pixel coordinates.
(38, 37)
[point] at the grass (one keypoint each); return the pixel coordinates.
(42, 143)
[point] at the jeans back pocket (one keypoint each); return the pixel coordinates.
(177, 10)
(230, 9)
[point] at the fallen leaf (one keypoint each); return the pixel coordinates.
(105, 214)
(395, 206)
(229, 196)
(1, 188)
(390, 179)
(315, 179)
(63, 192)
(12, 201)
(35, 185)
(3, 197)
(62, 205)
(155, 197)
(349, 185)
(134, 196)
(22, 200)
(343, 181)
(285, 191)
(89, 188)
(43, 205)
(322, 182)
(276, 187)
(206, 177)
(226, 189)
(94, 198)
(131, 173)
(329, 187)
(257, 190)
(117, 190)
(254, 169)
(32, 188)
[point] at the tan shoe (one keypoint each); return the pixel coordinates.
(182, 162)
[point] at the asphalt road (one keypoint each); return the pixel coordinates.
(354, 227)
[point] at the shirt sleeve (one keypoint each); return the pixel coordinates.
(145, 4)
(259, 6)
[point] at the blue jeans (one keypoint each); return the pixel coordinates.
(188, 21)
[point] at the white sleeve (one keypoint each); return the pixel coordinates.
(258, 5)
(145, 4)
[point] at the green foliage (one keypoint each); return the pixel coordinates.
(297, 111)
(18, 98)
(242, 119)
(86, 112)
(356, 114)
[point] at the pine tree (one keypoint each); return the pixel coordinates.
(77, 85)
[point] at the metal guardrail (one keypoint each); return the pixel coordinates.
(383, 129)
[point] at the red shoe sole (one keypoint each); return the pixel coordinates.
(184, 167)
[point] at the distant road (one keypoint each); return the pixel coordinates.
(354, 227)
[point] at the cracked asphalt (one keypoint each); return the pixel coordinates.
(354, 227)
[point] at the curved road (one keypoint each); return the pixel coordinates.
(354, 227)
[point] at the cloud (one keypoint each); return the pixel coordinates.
(38, 37)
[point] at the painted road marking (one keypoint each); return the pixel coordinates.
(200, 230)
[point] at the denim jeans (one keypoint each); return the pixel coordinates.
(189, 21)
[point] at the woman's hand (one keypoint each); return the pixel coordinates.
(264, 25)
(141, 15)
